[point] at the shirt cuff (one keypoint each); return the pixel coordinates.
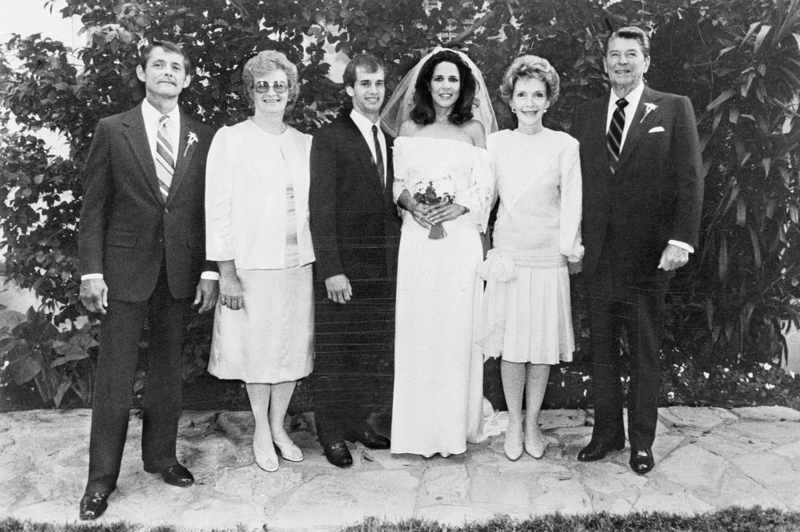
(682, 245)
(88, 276)
(211, 276)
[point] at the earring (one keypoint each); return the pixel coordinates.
(513, 110)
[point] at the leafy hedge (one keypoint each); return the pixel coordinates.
(736, 59)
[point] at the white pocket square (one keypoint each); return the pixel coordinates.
(657, 129)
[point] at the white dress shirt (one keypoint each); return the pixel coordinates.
(364, 125)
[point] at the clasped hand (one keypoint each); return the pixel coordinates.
(429, 215)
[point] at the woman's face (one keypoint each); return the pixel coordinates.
(445, 85)
(271, 93)
(528, 102)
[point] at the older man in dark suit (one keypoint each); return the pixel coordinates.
(356, 232)
(642, 196)
(141, 246)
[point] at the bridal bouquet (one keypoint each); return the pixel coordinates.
(436, 192)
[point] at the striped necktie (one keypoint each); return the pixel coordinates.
(165, 156)
(614, 136)
(378, 155)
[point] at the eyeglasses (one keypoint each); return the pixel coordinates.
(280, 87)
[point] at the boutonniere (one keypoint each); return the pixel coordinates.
(647, 108)
(189, 141)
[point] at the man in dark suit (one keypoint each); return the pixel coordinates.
(356, 231)
(642, 196)
(141, 246)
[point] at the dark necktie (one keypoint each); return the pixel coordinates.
(378, 155)
(614, 136)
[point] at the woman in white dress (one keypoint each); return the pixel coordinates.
(438, 386)
(257, 230)
(526, 317)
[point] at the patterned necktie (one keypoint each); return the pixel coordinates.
(165, 156)
(614, 136)
(378, 155)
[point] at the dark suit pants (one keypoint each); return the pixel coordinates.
(120, 334)
(353, 361)
(637, 308)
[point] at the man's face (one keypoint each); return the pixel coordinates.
(625, 63)
(165, 75)
(368, 92)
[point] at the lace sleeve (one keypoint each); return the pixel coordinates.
(478, 197)
(400, 164)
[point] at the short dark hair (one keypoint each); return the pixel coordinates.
(423, 112)
(167, 46)
(631, 32)
(366, 62)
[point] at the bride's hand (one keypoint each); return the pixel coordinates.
(420, 213)
(445, 213)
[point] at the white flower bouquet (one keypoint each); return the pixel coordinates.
(436, 192)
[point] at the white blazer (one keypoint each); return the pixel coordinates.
(246, 176)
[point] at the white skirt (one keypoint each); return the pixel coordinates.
(271, 339)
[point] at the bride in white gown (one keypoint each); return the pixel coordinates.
(438, 387)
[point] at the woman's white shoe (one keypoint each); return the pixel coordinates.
(266, 460)
(289, 451)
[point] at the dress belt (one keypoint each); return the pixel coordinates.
(501, 264)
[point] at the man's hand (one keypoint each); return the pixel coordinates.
(575, 267)
(230, 291)
(673, 258)
(206, 295)
(339, 289)
(94, 295)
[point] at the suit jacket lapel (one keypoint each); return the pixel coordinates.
(638, 128)
(597, 135)
(387, 190)
(364, 154)
(184, 155)
(137, 137)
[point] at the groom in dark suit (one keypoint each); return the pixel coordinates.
(141, 246)
(356, 232)
(642, 196)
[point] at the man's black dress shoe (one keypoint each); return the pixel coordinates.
(642, 461)
(93, 504)
(176, 475)
(369, 438)
(338, 454)
(597, 450)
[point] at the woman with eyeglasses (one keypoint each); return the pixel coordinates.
(257, 230)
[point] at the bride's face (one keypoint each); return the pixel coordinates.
(445, 85)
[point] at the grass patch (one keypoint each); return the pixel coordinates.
(727, 520)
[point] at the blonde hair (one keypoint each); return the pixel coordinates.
(264, 63)
(528, 67)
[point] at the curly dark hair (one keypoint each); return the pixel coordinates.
(423, 112)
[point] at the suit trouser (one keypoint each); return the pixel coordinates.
(616, 304)
(353, 360)
(120, 334)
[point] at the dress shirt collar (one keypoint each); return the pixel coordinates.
(364, 124)
(152, 115)
(633, 98)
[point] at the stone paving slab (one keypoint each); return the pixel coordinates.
(706, 459)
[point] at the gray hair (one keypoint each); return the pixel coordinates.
(264, 63)
(530, 67)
